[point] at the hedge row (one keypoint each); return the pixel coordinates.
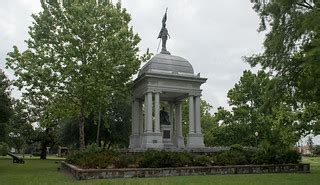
(98, 158)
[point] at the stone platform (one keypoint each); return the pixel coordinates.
(191, 150)
(85, 174)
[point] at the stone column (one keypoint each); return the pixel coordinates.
(157, 112)
(171, 113)
(135, 135)
(171, 117)
(135, 117)
(195, 138)
(141, 120)
(191, 115)
(148, 113)
(151, 139)
(178, 120)
(145, 113)
(197, 115)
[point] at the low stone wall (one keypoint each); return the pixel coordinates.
(83, 174)
(192, 150)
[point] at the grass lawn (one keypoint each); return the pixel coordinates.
(44, 172)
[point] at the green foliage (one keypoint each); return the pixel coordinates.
(254, 111)
(4, 148)
(115, 118)
(316, 150)
(79, 55)
(291, 54)
(5, 106)
(94, 157)
(21, 130)
(160, 159)
(231, 157)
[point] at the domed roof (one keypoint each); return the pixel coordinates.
(168, 64)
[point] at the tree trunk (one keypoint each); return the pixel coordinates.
(81, 131)
(43, 154)
(109, 145)
(104, 144)
(98, 129)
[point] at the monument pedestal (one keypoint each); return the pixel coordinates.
(195, 141)
(152, 140)
(180, 142)
(134, 141)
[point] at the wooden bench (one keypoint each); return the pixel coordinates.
(16, 159)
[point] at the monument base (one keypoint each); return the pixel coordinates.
(134, 141)
(152, 140)
(180, 142)
(195, 141)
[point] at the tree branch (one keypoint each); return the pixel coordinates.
(305, 4)
(308, 4)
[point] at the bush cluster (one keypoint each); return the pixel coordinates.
(4, 148)
(98, 158)
(316, 150)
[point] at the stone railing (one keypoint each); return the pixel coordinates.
(82, 174)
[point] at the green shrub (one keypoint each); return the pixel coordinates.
(231, 157)
(202, 160)
(4, 148)
(161, 159)
(291, 156)
(316, 150)
(237, 147)
(94, 157)
(36, 154)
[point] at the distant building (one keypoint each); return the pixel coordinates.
(304, 150)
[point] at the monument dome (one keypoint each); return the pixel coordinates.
(168, 64)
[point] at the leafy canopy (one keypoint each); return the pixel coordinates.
(292, 53)
(79, 54)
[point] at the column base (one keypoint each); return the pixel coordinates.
(152, 140)
(195, 141)
(180, 142)
(135, 141)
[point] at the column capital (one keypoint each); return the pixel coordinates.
(195, 93)
(150, 90)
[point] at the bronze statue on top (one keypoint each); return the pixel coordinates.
(164, 34)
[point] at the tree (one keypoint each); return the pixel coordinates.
(292, 52)
(254, 111)
(5, 106)
(79, 55)
(20, 129)
(114, 130)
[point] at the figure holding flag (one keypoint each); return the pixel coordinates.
(163, 35)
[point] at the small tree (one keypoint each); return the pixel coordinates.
(5, 106)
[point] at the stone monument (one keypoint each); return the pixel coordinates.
(165, 78)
